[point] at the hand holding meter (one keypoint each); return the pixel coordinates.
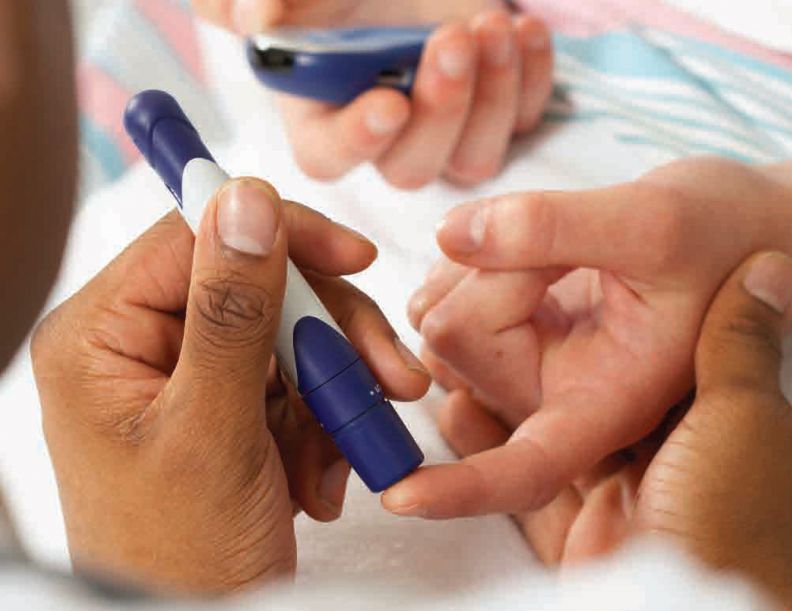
(337, 65)
(331, 377)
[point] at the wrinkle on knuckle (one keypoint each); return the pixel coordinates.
(233, 311)
(441, 334)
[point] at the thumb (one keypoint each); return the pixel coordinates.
(233, 308)
(740, 348)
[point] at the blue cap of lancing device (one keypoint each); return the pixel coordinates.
(335, 383)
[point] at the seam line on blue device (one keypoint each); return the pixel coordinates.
(360, 415)
(344, 370)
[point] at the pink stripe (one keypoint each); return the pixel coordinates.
(104, 100)
(176, 25)
(591, 17)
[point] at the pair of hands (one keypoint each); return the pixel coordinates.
(485, 76)
(181, 456)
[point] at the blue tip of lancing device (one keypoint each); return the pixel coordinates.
(350, 404)
(164, 135)
(335, 383)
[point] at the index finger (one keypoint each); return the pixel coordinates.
(544, 455)
(626, 228)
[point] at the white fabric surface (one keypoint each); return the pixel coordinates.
(456, 562)
(768, 22)
(645, 579)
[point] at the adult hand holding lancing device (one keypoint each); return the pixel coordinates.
(484, 77)
(181, 454)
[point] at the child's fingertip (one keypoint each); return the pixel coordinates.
(387, 113)
(534, 35)
(380, 122)
(496, 38)
(454, 52)
(401, 501)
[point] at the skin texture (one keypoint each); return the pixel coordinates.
(456, 125)
(160, 370)
(37, 109)
(610, 284)
(711, 478)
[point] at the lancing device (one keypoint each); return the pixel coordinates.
(329, 374)
(337, 65)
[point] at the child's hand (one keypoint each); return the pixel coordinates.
(592, 364)
(481, 81)
(712, 478)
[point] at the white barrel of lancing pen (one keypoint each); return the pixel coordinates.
(329, 374)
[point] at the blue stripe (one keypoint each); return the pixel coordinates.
(697, 47)
(698, 148)
(685, 146)
(621, 54)
(669, 117)
(102, 148)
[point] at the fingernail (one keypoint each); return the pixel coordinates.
(455, 60)
(537, 39)
(382, 124)
(770, 281)
(332, 487)
(409, 511)
(412, 362)
(533, 33)
(400, 501)
(464, 228)
(247, 217)
(498, 46)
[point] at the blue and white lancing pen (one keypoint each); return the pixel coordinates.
(330, 376)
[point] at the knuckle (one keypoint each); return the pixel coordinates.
(532, 220)
(233, 311)
(442, 334)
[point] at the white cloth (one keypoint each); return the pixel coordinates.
(768, 22)
(460, 564)
(645, 579)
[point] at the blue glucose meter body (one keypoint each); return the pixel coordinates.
(337, 65)
(331, 377)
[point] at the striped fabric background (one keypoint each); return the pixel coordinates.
(667, 80)
(660, 77)
(133, 45)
